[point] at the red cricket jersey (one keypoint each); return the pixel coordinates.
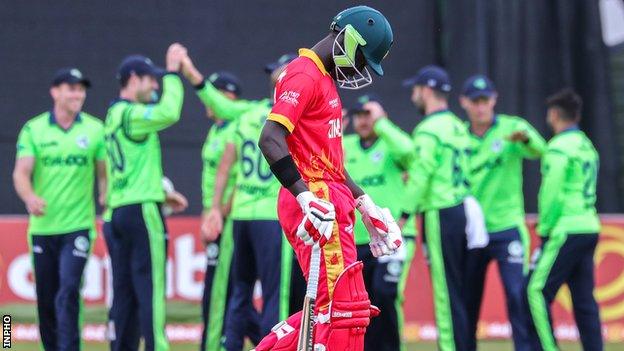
(308, 105)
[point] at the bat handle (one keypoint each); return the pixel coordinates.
(315, 268)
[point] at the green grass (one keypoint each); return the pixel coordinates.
(184, 312)
(483, 346)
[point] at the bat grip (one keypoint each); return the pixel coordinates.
(315, 268)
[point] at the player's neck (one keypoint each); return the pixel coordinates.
(323, 49)
(435, 105)
(480, 128)
(563, 126)
(369, 141)
(127, 94)
(63, 117)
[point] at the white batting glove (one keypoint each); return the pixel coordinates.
(385, 235)
(318, 219)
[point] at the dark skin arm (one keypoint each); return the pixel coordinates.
(273, 145)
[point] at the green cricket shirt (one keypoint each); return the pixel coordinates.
(64, 170)
(379, 169)
(567, 196)
(496, 170)
(134, 165)
(438, 175)
(212, 151)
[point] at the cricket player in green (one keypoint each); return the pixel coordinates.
(260, 253)
(217, 282)
(437, 186)
(377, 158)
(568, 225)
(59, 153)
(139, 235)
(499, 144)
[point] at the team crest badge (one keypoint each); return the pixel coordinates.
(82, 142)
(497, 146)
(81, 244)
(377, 156)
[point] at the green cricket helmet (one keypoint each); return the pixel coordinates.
(366, 29)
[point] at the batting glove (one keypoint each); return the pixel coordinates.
(385, 235)
(318, 219)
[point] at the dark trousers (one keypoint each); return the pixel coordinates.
(445, 245)
(385, 283)
(257, 255)
(566, 258)
(59, 261)
(137, 246)
(506, 249)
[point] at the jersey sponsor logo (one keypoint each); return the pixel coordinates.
(373, 180)
(70, 160)
(290, 97)
(82, 141)
(335, 128)
(334, 103)
(48, 144)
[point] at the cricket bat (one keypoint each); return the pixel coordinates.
(306, 332)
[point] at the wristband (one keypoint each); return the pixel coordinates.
(286, 171)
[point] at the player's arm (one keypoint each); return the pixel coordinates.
(530, 143)
(213, 221)
(223, 108)
(424, 164)
(22, 173)
(100, 169)
(400, 144)
(141, 119)
(554, 166)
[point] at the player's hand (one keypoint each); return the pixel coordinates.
(102, 199)
(35, 205)
(519, 136)
(317, 224)
(375, 110)
(175, 54)
(385, 235)
(190, 72)
(176, 201)
(212, 225)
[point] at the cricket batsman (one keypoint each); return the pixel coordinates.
(377, 157)
(139, 235)
(302, 142)
(59, 153)
(259, 252)
(438, 188)
(499, 144)
(568, 225)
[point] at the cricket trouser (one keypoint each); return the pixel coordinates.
(137, 247)
(259, 254)
(385, 281)
(445, 245)
(507, 249)
(338, 253)
(217, 290)
(58, 262)
(566, 258)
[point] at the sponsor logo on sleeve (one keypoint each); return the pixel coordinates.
(290, 97)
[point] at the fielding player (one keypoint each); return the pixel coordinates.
(58, 154)
(568, 225)
(139, 240)
(499, 143)
(302, 141)
(257, 233)
(377, 158)
(438, 188)
(217, 284)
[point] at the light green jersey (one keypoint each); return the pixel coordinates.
(64, 170)
(379, 169)
(567, 196)
(256, 189)
(213, 149)
(437, 177)
(133, 148)
(496, 170)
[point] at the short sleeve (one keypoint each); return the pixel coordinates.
(100, 147)
(292, 96)
(25, 144)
